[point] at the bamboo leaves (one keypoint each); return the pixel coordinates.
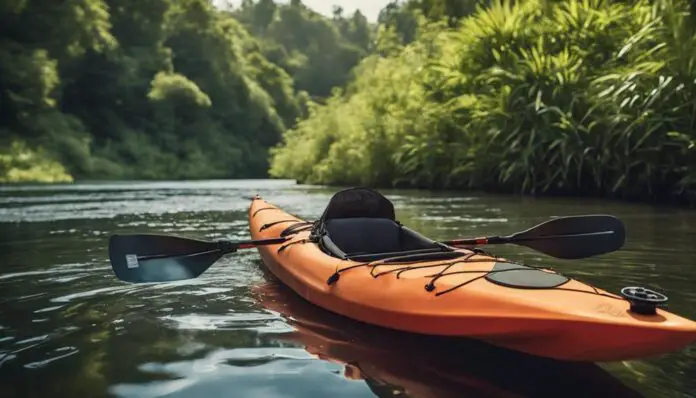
(573, 97)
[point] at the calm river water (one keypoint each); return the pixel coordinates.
(69, 328)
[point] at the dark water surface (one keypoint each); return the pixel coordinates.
(69, 328)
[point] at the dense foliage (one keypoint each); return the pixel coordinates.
(591, 97)
(160, 88)
(317, 52)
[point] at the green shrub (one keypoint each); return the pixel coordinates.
(19, 163)
(588, 97)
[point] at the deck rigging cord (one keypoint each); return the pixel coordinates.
(405, 266)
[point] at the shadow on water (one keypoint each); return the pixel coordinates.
(395, 363)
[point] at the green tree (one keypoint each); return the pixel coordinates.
(130, 89)
(317, 52)
(264, 12)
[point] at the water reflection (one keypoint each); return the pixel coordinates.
(393, 363)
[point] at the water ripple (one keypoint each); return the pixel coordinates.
(294, 372)
(94, 292)
(55, 355)
(233, 321)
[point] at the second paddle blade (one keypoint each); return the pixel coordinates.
(160, 258)
(574, 237)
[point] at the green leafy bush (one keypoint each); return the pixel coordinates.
(590, 97)
(19, 163)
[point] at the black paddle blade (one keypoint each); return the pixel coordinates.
(574, 237)
(158, 258)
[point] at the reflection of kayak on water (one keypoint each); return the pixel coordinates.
(398, 363)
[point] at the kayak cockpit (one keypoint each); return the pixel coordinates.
(369, 239)
(359, 224)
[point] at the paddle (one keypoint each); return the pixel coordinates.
(165, 258)
(570, 237)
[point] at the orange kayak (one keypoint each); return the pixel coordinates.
(435, 289)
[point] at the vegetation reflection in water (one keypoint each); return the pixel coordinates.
(68, 327)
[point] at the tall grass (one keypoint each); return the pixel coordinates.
(581, 97)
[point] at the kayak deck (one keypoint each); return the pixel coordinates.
(468, 294)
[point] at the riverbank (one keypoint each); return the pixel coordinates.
(561, 98)
(179, 89)
(592, 99)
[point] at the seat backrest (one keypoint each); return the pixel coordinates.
(358, 202)
(365, 235)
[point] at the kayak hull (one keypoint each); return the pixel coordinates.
(573, 322)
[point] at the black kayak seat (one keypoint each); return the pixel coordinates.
(364, 235)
